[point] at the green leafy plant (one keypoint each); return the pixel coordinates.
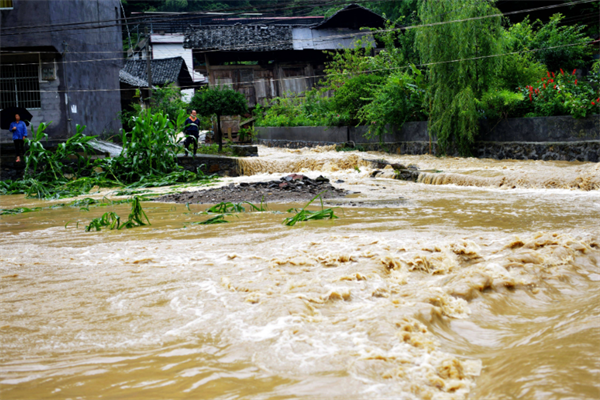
(246, 134)
(307, 215)
(500, 103)
(19, 210)
(226, 208)
(229, 208)
(108, 219)
(556, 44)
(217, 219)
(398, 100)
(137, 216)
(561, 94)
(62, 163)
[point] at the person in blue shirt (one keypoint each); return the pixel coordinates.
(192, 130)
(19, 131)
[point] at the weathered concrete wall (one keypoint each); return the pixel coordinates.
(209, 164)
(547, 138)
(319, 134)
(541, 129)
(87, 60)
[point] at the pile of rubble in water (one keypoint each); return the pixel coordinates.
(290, 188)
(402, 172)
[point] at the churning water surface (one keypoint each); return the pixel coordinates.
(481, 281)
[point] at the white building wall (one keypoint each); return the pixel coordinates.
(168, 46)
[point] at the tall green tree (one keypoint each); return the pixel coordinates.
(219, 101)
(452, 46)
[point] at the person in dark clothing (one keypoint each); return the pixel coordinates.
(19, 131)
(192, 130)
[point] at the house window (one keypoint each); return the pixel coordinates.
(20, 86)
(6, 4)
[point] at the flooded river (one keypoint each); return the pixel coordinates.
(482, 281)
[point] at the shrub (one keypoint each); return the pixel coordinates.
(353, 95)
(556, 45)
(398, 100)
(561, 94)
(500, 103)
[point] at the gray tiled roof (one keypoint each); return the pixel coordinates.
(127, 78)
(239, 37)
(260, 37)
(166, 70)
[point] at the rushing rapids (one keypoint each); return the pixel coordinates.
(463, 289)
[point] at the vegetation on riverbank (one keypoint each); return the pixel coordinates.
(491, 69)
(148, 159)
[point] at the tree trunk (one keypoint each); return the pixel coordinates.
(219, 134)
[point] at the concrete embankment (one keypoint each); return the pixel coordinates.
(541, 138)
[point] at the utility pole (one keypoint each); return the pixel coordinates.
(148, 65)
(67, 99)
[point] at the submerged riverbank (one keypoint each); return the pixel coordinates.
(442, 291)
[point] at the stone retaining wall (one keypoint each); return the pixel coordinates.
(209, 164)
(540, 138)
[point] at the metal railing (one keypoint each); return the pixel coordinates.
(19, 86)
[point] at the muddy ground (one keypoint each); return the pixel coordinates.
(290, 188)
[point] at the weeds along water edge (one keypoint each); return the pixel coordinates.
(148, 159)
(137, 216)
(304, 215)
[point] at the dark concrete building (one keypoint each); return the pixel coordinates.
(60, 59)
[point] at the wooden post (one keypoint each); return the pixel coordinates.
(207, 68)
(148, 65)
(229, 133)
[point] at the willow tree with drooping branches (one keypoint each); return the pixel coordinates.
(455, 46)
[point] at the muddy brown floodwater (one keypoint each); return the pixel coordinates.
(460, 287)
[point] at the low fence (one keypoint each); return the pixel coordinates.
(539, 138)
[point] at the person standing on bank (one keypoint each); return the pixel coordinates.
(19, 131)
(192, 130)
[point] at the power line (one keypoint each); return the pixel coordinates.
(339, 74)
(342, 36)
(193, 15)
(331, 2)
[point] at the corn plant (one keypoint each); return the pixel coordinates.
(55, 165)
(226, 208)
(148, 159)
(217, 219)
(19, 210)
(108, 219)
(137, 215)
(113, 221)
(260, 208)
(307, 215)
